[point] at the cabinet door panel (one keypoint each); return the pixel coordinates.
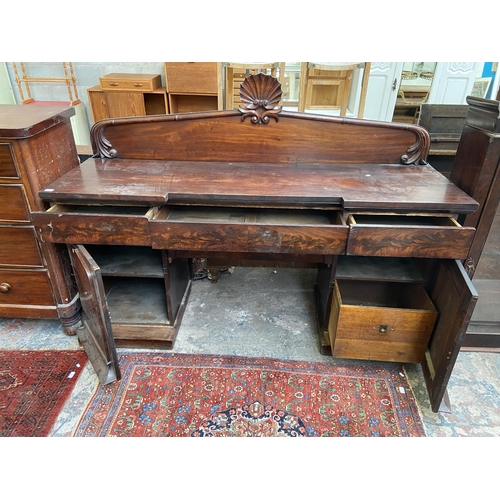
(96, 336)
(454, 297)
(122, 104)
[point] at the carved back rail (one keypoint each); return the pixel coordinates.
(260, 132)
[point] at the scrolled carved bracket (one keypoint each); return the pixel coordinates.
(418, 151)
(101, 144)
(260, 94)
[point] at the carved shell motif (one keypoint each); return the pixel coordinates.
(260, 94)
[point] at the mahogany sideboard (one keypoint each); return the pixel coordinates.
(36, 148)
(355, 199)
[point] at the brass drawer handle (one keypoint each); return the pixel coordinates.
(5, 287)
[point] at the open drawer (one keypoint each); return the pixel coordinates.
(299, 231)
(384, 321)
(96, 224)
(408, 236)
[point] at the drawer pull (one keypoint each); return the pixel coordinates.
(5, 287)
(382, 328)
(113, 84)
(137, 84)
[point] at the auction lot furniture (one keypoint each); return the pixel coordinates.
(36, 147)
(353, 198)
(194, 86)
(127, 94)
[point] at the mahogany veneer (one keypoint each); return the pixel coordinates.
(261, 185)
(36, 147)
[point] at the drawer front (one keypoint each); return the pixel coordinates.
(18, 247)
(93, 225)
(7, 164)
(192, 77)
(380, 321)
(13, 207)
(250, 232)
(382, 334)
(123, 81)
(248, 238)
(435, 237)
(25, 287)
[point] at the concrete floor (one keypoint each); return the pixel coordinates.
(259, 312)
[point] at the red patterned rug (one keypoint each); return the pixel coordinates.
(177, 395)
(34, 385)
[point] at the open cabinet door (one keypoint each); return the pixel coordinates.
(96, 335)
(454, 297)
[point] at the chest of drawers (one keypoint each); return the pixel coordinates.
(36, 147)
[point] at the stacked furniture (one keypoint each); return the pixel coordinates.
(194, 86)
(189, 87)
(127, 94)
(36, 148)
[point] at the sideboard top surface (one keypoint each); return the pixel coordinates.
(153, 182)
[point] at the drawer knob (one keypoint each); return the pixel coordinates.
(5, 287)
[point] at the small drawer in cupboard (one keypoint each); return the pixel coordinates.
(425, 236)
(380, 321)
(18, 247)
(25, 287)
(7, 165)
(13, 207)
(130, 81)
(109, 225)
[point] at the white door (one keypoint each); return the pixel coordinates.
(383, 85)
(453, 82)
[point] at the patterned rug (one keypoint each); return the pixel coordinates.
(176, 395)
(34, 385)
